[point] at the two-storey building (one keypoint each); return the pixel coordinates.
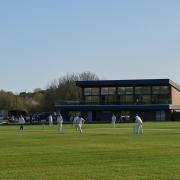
(152, 99)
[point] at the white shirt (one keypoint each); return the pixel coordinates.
(21, 120)
(59, 119)
(138, 120)
(50, 119)
(79, 120)
(113, 118)
(75, 119)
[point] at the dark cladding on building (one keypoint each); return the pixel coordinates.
(152, 99)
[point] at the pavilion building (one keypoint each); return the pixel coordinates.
(152, 99)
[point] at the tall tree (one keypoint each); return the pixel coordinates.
(65, 90)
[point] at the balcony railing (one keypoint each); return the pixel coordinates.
(104, 103)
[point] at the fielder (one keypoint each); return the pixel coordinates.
(50, 120)
(113, 120)
(59, 122)
(78, 123)
(75, 120)
(21, 122)
(138, 125)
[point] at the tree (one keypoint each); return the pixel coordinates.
(65, 90)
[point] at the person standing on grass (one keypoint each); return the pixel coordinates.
(138, 125)
(113, 120)
(75, 119)
(50, 120)
(59, 122)
(79, 121)
(21, 122)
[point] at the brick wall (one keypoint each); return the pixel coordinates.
(175, 96)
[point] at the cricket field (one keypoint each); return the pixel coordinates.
(99, 153)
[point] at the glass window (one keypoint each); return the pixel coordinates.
(126, 99)
(129, 99)
(160, 115)
(143, 90)
(125, 90)
(129, 90)
(160, 99)
(91, 99)
(143, 99)
(87, 91)
(104, 90)
(108, 90)
(121, 90)
(160, 89)
(146, 99)
(110, 99)
(164, 99)
(95, 91)
(87, 99)
(155, 99)
(112, 90)
(95, 99)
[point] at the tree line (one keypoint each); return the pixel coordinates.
(61, 90)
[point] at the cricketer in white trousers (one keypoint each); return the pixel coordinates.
(78, 123)
(138, 125)
(113, 120)
(75, 120)
(50, 120)
(59, 122)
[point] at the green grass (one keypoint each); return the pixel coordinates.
(100, 153)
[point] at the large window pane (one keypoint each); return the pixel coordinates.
(91, 99)
(146, 99)
(143, 99)
(110, 99)
(160, 90)
(87, 99)
(108, 90)
(125, 90)
(129, 99)
(91, 91)
(95, 91)
(112, 90)
(160, 99)
(143, 90)
(126, 99)
(164, 99)
(87, 91)
(104, 91)
(160, 115)
(95, 99)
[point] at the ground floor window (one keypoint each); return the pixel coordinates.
(160, 116)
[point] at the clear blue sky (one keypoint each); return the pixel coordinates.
(117, 39)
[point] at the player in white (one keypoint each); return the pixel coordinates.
(59, 122)
(75, 120)
(50, 120)
(113, 120)
(78, 123)
(138, 125)
(21, 122)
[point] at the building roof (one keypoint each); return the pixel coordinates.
(133, 82)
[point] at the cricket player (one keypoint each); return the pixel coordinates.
(78, 123)
(50, 120)
(21, 122)
(113, 120)
(75, 120)
(138, 125)
(59, 122)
